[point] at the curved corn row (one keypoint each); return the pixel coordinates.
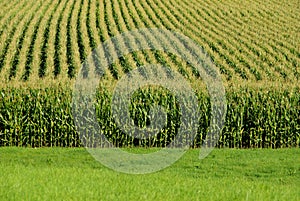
(30, 54)
(46, 35)
(57, 43)
(70, 56)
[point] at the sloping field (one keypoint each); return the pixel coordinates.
(250, 40)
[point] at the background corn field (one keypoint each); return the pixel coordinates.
(254, 44)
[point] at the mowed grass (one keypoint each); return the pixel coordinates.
(226, 174)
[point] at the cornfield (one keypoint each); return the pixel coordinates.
(254, 45)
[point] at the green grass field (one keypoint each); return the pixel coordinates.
(226, 174)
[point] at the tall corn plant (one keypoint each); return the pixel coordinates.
(43, 117)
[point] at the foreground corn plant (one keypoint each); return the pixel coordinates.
(255, 118)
